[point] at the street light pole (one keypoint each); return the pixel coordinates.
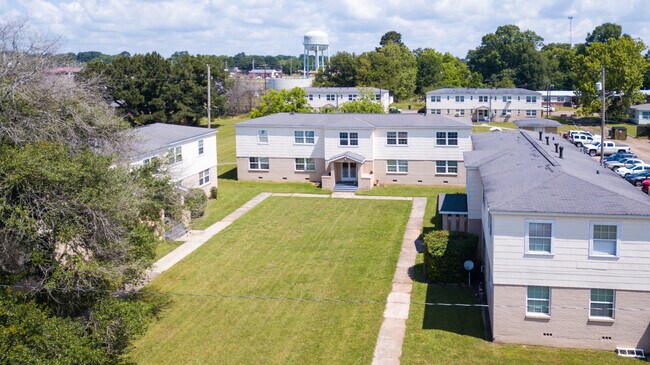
(602, 121)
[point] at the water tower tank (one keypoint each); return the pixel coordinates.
(318, 43)
(316, 38)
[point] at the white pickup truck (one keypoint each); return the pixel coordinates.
(609, 148)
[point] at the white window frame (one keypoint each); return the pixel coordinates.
(460, 111)
(435, 98)
(311, 97)
(201, 147)
(613, 304)
(591, 238)
(436, 111)
(531, 112)
(257, 163)
(204, 177)
(527, 249)
(531, 99)
(547, 300)
(175, 155)
(400, 138)
(377, 97)
(447, 167)
(507, 98)
(397, 167)
(263, 136)
(645, 114)
(483, 99)
(350, 141)
(447, 138)
(301, 135)
(305, 164)
(506, 112)
(460, 98)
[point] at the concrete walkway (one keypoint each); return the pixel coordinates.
(195, 239)
(391, 334)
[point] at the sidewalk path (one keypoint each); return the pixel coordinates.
(391, 334)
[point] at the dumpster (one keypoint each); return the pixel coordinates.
(618, 133)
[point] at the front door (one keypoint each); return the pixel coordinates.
(348, 171)
(482, 115)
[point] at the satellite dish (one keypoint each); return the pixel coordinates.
(469, 265)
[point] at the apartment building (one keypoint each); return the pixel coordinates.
(566, 253)
(353, 151)
(484, 105)
(334, 97)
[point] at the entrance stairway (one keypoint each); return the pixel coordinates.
(346, 186)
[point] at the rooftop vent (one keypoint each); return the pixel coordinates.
(556, 144)
(561, 151)
(540, 135)
(547, 140)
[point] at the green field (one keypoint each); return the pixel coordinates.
(165, 247)
(284, 247)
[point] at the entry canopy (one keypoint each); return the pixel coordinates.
(349, 156)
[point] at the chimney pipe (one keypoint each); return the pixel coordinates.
(547, 140)
(561, 151)
(540, 135)
(556, 144)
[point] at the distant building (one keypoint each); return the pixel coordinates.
(564, 242)
(483, 105)
(558, 97)
(190, 151)
(265, 74)
(334, 97)
(67, 71)
(641, 114)
(353, 151)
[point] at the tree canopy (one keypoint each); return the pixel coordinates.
(392, 67)
(365, 104)
(604, 32)
(341, 71)
(391, 36)
(282, 101)
(436, 70)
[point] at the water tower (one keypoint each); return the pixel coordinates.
(316, 42)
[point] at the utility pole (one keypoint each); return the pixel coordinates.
(602, 121)
(209, 99)
(571, 32)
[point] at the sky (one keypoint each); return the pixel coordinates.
(271, 27)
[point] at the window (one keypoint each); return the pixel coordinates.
(262, 136)
(258, 163)
(204, 177)
(531, 99)
(175, 154)
(645, 115)
(447, 138)
(435, 111)
(538, 300)
(397, 138)
(446, 167)
(506, 112)
(531, 113)
(539, 236)
(601, 303)
(303, 137)
(507, 99)
(149, 160)
(435, 98)
(397, 166)
(311, 97)
(460, 111)
(604, 239)
(305, 164)
(201, 147)
(482, 99)
(377, 96)
(352, 97)
(348, 139)
(460, 98)
(330, 97)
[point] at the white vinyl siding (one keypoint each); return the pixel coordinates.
(601, 303)
(397, 166)
(539, 236)
(604, 239)
(263, 136)
(305, 164)
(446, 167)
(258, 163)
(304, 137)
(538, 300)
(204, 177)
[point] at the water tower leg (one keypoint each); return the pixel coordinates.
(304, 62)
(317, 64)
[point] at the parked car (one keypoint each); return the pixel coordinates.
(637, 179)
(625, 162)
(624, 171)
(645, 185)
(548, 108)
(618, 156)
(583, 139)
(609, 148)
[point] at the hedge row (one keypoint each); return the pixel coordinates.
(445, 253)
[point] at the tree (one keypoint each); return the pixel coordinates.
(282, 101)
(436, 70)
(242, 95)
(365, 104)
(559, 58)
(340, 72)
(392, 67)
(625, 68)
(391, 36)
(510, 53)
(604, 32)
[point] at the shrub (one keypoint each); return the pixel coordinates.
(643, 131)
(196, 201)
(213, 192)
(445, 253)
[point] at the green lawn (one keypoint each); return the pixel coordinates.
(233, 193)
(226, 151)
(454, 335)
(165, 247)
(285, 247)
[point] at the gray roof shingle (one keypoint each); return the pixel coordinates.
(155, 137)
(537, 122)
(342, 89)
(645, 107)
(521, 174)
(356, 121)
(468, 91)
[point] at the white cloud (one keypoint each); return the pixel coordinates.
(277, 26)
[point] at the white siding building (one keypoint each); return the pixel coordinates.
(190, 151)
(353, 150)
(334, 97)
(483, 105)
(641, 114)
(566, 253)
